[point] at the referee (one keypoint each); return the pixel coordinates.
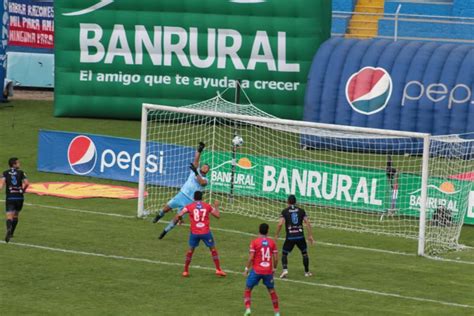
(293, 218)
(16, 184)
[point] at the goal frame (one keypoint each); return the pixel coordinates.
(425, 137)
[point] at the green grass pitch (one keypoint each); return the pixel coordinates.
(92, 257)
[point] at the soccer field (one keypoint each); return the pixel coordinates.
(91, 257)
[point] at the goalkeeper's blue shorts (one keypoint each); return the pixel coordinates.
(179, 201)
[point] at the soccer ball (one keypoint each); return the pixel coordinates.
(237, 141)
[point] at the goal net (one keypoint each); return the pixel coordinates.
(392, 183)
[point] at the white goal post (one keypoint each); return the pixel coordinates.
(340, 174)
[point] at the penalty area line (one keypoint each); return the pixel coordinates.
(323, 285)
(232, 231)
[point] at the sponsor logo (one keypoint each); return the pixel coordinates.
(445, 187)
(129, 45)
(92, 8)
(219, 177)
(442, 195)
(265, 264)
(437, 93)
(368, 91)
(322, 185)
(82, 155)
(200, 225)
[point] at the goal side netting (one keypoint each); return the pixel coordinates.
(392, 183)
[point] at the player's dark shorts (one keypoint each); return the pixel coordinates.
(13, 205)
(194, 240)
(253, 279)
(291, 243)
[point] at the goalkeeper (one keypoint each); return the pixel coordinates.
(196, 182)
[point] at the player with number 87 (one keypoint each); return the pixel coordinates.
(199, 213)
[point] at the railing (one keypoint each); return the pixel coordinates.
(401, 20)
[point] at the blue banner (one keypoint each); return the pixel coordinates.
(3, 46)
(112, 158)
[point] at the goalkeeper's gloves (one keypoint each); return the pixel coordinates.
(194, 169)
(201, 147)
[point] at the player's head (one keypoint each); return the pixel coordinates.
(198, 196)
(292, 199)
(263, 229)
(14, 162)
(205, 169)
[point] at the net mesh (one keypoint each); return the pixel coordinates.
(362, 182)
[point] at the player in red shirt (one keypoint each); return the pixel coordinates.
(263, 261)
(199, 212)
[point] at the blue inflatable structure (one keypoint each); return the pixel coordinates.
(403, 85)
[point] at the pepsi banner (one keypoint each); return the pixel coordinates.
(405, 85)
(31, 26)
(111, 158)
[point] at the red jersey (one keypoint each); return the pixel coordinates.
(263, 249)
(199, 215)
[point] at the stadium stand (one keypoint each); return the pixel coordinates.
(426, 20)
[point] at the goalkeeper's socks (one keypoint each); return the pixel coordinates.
(306, 263)
(170, 226)
(248, 298)
(189, 257)
(284, 261)
(274, 297)
(14, 223)
(163, 234)
(215, 257)
(159, 216)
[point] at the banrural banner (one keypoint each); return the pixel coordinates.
(112, 56)
(337, 186)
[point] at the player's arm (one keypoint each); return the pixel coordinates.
(2, 182)
(309, 229)
(281, 222)
(215, 210)
(199, 178)
(197, 155)
(250, 259)
(25, 184)
(180, 215)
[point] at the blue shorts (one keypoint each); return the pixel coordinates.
(179, 201)
(206, 238)
(253, 279)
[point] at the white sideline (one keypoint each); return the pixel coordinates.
(399, 253)
(331, 286)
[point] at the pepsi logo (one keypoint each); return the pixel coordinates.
(82, 155)
(368, 90)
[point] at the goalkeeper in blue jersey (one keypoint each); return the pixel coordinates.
(196, 182)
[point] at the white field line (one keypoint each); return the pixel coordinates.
(399, 253)
(330, 286)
